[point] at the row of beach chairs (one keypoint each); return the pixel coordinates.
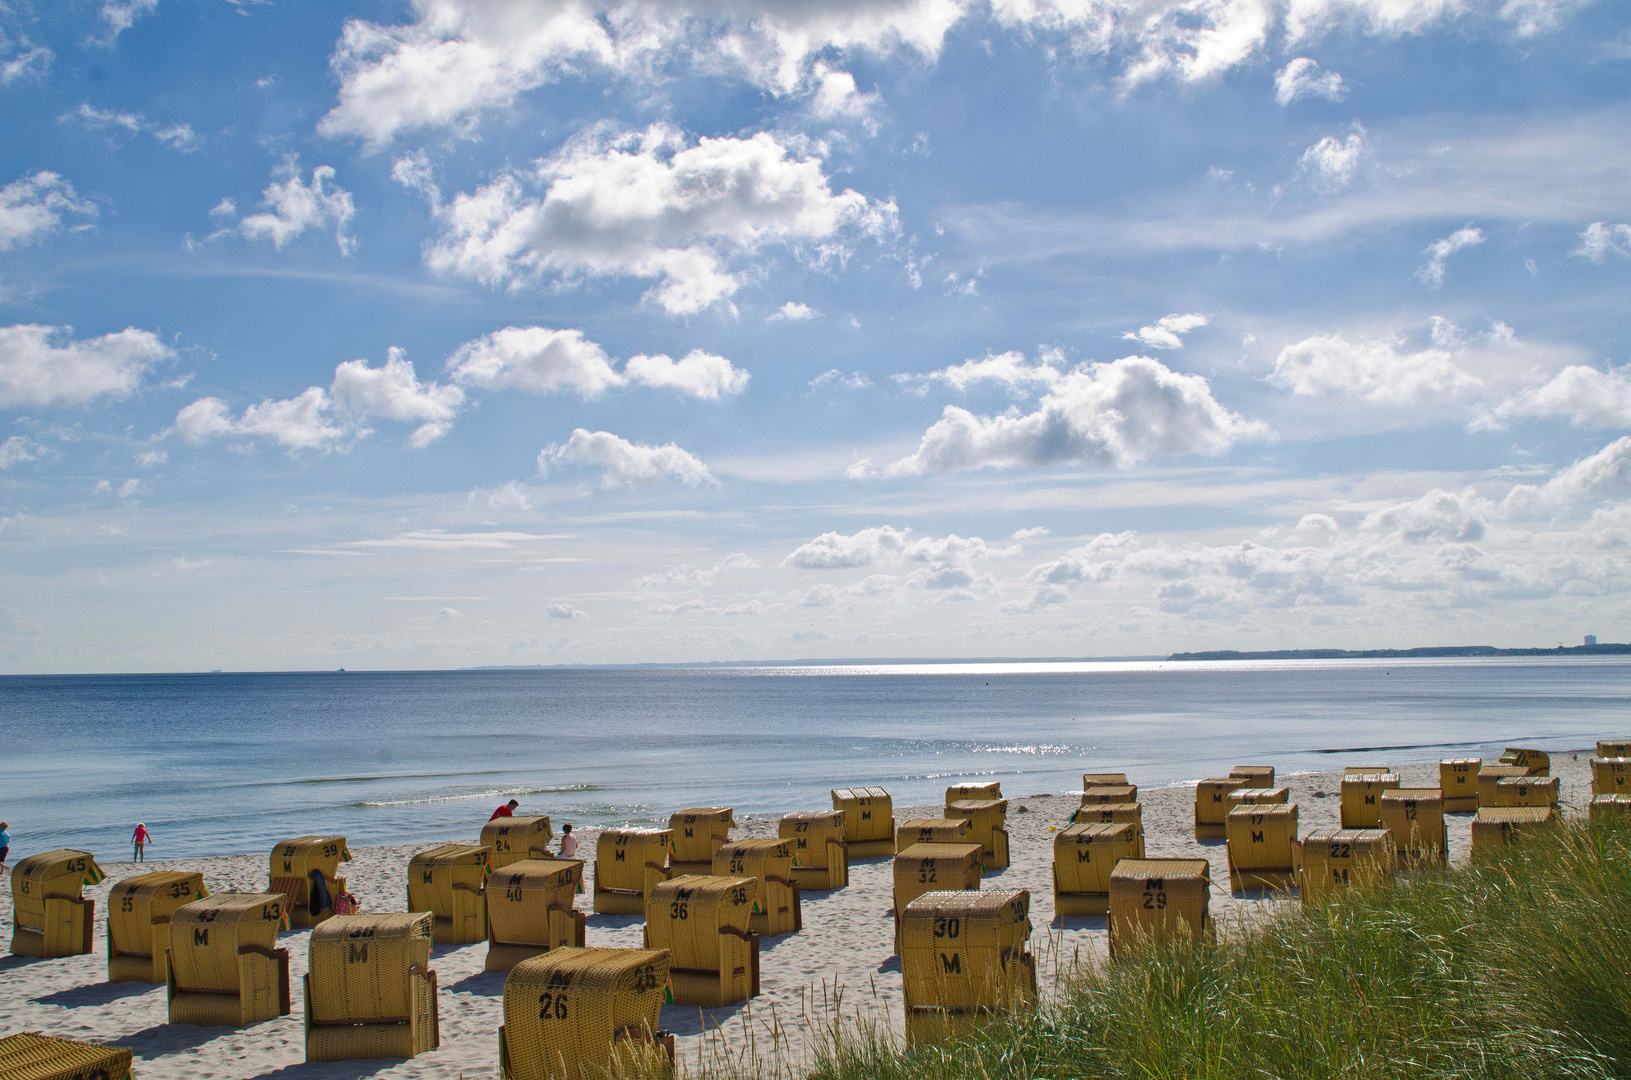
(572, 1011)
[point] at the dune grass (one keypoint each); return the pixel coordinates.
(1517, 966)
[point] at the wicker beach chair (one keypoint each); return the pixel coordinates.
(1458, 780)
(924, 868)
(306, 870)
(1337, 860)
(1109, 794)
(1263, 847)
(1537, 762)
(370, 990)
(1611, 776)
(530, 910)
(1083, 857)
(513, 839)
(820, 858)
(703, 922)
(1212, 808)
(1415, 817)
(1362, 798)
(964, 961)
(449, 882)
(585, 1014)
(50, 915)
(697, 835)
(988, 821)
(1113, 814)
(225, 967)
(1159, 900)
(1527, 791)
(992, 790)
(1254, 775)
(139, 911)
(1614, 748)
(869, 821)
(1103, 779)
(1496, 826)
(628, 862)
(932, 831)
(28, 1055)
(1610, 808)
(778, 909)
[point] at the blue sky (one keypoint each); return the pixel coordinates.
(540, 331)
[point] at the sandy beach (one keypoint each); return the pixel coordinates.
(842, 958)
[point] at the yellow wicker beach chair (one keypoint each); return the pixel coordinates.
(1159, 900)
(529, 910)
(370, 991)
(1611, 776)
(1610, 808)
(1257, 796)
(1212, 808)
(1362, 798)
(294, 864)
(1415, 817)
(1527, 791)
(50, 915)
(697, 835)
(1496, 826)
(448, 881)
(28, 1055)
(1083, 857)
(932, 831)
(1490, 775)
(964, 961)
(1458, 780)
(1538, 762)
(924, 868)
(1263, 847)
(1113, 814)
(139, 911)
(225, 967)
(1336, 860)
(869, 821)
(1103, 779)
(628, 862)
(512, 839)
(1109, 795)
(1255, 775)
(1613, 748)
(820, 859)
(585, 1014)
(778, 909)
(702, 922)
(992, 790)
(988, 821)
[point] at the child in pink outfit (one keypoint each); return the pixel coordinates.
(140, 839)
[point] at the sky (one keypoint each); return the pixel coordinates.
(446, 333)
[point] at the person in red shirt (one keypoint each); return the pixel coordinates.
(507, 810)
(139, 840)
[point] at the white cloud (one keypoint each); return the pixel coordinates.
(295, 205)
(1374, 370)
(32, 208)
(303, 422)
(395, 393)
(179, 137)
(625, 463)
(44, 366)
(698, 374)
(1119, 413)
(1302, 78)
(120, 15)
(792, 311)
(1329, 164)
(1034, 533)
(1438, 253)
(563, 611)
(855, 380)
(1586, 396)
(1602, 239)
(1011, 370)
(536, 359)
(691, 577)
(22, 59)
(1168, 331)
(653, 204)
(18, 449)
(887, 545)
(1436, 517)
(148, 459)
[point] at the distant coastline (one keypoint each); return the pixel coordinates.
(1430, 652)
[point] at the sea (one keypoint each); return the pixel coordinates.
(219, 764)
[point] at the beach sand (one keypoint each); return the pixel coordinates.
(844, 954)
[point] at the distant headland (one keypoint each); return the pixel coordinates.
(1430, 652)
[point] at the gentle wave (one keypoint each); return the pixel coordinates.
(375, 779)
(496, 793)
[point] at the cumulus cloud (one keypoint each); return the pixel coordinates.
(1436, 517)
(1378, 371)
(625, 463)
(888, 546)
(394, 392)
(1035, 533)
(541, 360)
(792, 311)
(303, 422)
(1604, 475)
(563, 611)
(1168, 331)
(1602, 239)
(179, 137)
(1438, 254)
(1010, 370)
(32, 208)
(1329, 164)
(294, 205)
(1119, 413)
(687, 576)
(1586, 396)
(654, 205)
(44, 366)
(1302, 78)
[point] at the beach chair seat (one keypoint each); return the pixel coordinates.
(449, 882)
(988, 821)
(964, 961)
(1263, 847)
(1458, 780)
(820, 858)
(1362, 798)
(869, 821)
(225, 967)
(697, 834)
(139, 911)
(1415, 818)
(1153, 900)
(1212, 806)
(703, 923)
(517, 838)
(28, 1055)
(585, 1014)
(530, 910)
(778, 908)
(1335, 861)
(1083, 858)
(51, 916)
(628, 862)
(306, 871)
(369, 988)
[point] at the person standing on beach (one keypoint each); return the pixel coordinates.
(569, 843)
(5, 844)
(507, 810)
(139, 840)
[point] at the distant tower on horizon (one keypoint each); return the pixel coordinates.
(1591, 639)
